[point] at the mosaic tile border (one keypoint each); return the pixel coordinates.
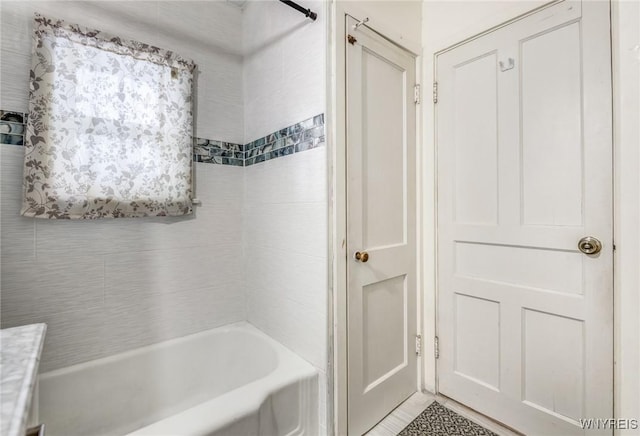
(12, 127)
(298, 137)
(218, 152)
(302, 136)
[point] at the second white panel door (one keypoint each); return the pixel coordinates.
(381, 227)
(524, 173)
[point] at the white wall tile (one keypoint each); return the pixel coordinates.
(57, 238)
(287, 274)
(298, 228)
(74, 337)
(299, 328)
(11, 168)
(55, 285)
(229, 120)
(141, 319)
(17, 234)
(297, 178)
(285, 240)
(13, 45)
(219, 185)
(220, 113)
(159, 272)
(284, 66)
(209, 226)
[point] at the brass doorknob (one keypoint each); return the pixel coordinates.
(589, 245)
(362, 256)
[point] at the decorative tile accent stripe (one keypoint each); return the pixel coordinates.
(301, 136)
(298, 137)
(12, 127)
(218, 152)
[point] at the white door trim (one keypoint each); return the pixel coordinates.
(336, 135)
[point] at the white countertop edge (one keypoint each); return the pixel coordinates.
(32, 352)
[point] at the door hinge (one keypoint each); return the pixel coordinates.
(436, 347)
(435, 92)
(416, 94)
(418, 345)
(352, 39)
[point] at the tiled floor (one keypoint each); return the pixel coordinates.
(414, 405)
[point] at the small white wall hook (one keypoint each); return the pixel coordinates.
(355, 26)
(510, 64)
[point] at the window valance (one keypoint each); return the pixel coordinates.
(110, 127)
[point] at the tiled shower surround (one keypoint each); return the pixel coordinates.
(155, 279)
(305, 135)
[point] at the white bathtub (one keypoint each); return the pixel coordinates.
(233, 380)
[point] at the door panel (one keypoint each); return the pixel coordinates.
(383, 112)
(381, 312)
(476, 146)
(384, 303)
(478, 344)
(524, 172)
(551, 106)
(558, 392)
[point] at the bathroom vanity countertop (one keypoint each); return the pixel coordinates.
(20, 349)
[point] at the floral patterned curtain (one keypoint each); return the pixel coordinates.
(109, 132)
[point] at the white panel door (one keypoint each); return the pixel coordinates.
(381, 226)
(525, 172)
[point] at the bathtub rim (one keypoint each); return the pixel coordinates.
(236, 326)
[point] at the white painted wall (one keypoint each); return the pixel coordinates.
(448, 22)
(112, 285)
(401, 20)
(285, 200)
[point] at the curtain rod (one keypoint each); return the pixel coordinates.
(307, 12)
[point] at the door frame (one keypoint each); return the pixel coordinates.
(335, 121)
(430, 202)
